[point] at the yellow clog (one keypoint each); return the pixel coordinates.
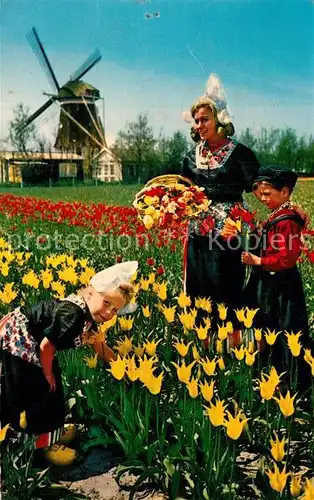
(69, 433)
(58, 454)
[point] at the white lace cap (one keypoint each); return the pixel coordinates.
(114, 276)
(216, 94)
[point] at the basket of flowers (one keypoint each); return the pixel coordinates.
(167, 200)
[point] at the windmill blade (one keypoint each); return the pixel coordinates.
(93, 59)
(39, 50)
(39, 111)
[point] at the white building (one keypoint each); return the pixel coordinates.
(107, 167)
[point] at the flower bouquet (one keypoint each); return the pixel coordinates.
(167, 200)
(240, 224)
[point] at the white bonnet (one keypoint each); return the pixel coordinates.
(112, 277)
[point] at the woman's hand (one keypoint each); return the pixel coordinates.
(52, 382)
(250, 259)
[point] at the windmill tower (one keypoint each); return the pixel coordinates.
(79, 122)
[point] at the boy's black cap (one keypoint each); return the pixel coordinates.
(277, 175)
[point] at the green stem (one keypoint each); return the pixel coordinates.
(289, 438)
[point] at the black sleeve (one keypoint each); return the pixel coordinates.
(185, 168)
(250, 166)
(66, 327)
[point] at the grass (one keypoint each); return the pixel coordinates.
(123, 194)
(110, 194)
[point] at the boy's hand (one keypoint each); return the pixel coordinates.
(52, 382)
(250, 259)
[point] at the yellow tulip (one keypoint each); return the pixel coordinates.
(124, 346)
(31, 279)
(294, 345)
(162, 291)
(69, 275)
(277, 478)
(229, 327)
(239, 352)
(249, 316)
(182, 348)
(250, 347)
(153, 383)
(146, 369)
(266, 387)
(193, 387)
(183, 371)
(91, 361)
(57, 287)
(308, 489)
(139, 351)
(23, 420)
(202, 332)
(144, 284)
(235, 425)
(295, 485)
(271, 336)
(309, 359)
(132, 370)
(216, 413)
(278, 448)
(222, 311)
(219, 346)
(184, 300)
(222, 332)
(8, 294)
(169, 313)
(207, 390)
(250, 357)
(221, 364)
(274, 377)
(240, 314)
(148, 221)
(117, 368)
(204, 303)
(47, 277)
(258, 334)
(209, 367)
(146, 312)
(187, 320)
(286, 404)
(151, 278)
(151, 346)
(207, 322)
(3, 432)
(195, 353)
(151, 200)
(126, 324)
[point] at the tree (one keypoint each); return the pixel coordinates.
(171, 151)
(247, 138)
(136, 148)
(21, 138)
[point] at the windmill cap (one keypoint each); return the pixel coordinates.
(114, 276)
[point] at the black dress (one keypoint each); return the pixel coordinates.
(23, 385)
(212, 268)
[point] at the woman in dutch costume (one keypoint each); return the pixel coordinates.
(225, 169)
(31, 335)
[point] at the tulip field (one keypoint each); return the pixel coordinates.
(186, 417)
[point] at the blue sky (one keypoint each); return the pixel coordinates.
(263, 52)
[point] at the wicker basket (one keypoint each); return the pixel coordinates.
(168, 180)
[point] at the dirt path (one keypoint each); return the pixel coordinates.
(104, 487)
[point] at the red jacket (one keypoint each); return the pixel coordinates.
(281, 245)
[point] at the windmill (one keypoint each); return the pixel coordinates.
(79, 123)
